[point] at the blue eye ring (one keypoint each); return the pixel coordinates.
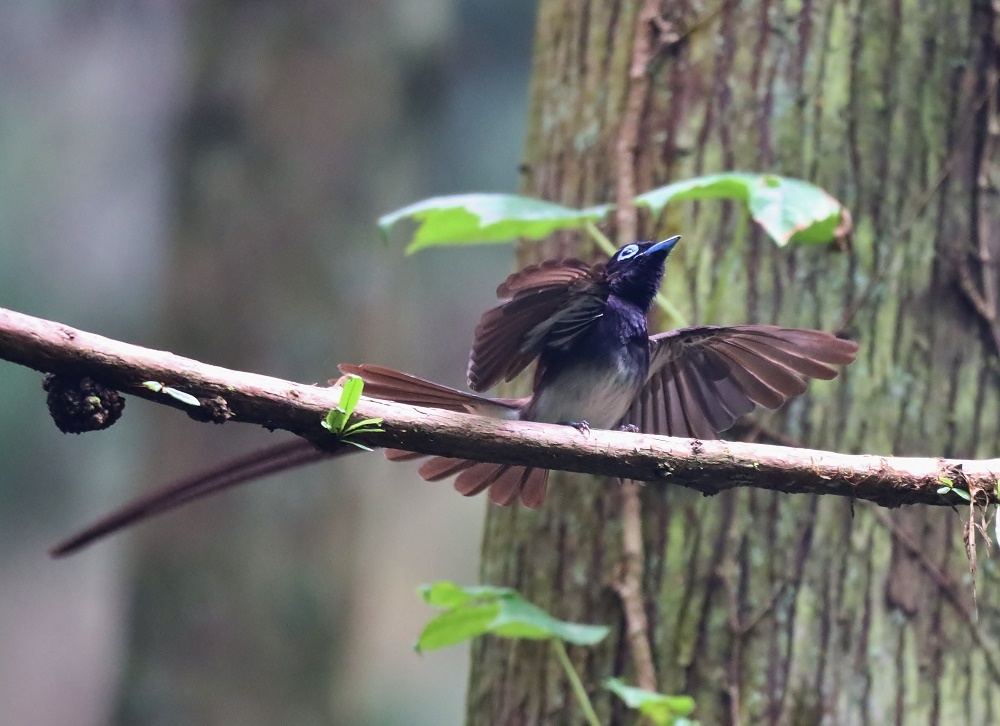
(628, 252)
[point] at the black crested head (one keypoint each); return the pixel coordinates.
(634, 273)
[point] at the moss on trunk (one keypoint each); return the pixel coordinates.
(768, 608)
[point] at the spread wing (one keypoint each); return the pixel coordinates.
(702, 379)
(543, 305)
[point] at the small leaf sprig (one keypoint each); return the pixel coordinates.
(949, 486)
(177, 395)
(336, 420)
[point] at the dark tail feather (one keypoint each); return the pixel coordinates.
(401, 455)
(533, 488)
(267, 461)
(392, 385)
(478, 477)
(507, 486)
(505, 483)
(442, 467)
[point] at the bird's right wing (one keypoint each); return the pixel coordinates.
(702, 379)
(547, 304)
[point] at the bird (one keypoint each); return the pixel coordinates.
(584, 326)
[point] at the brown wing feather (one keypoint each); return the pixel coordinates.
(779, 352)
(539, 303)
(549, 272)
(702, 379)
(692, 401)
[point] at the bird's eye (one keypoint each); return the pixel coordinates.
(628, 251)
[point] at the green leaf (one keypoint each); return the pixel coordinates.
(519, 618)
(366, 426)
(350, 393)
(185, 398)
(335, 420)
(479, 218)
(662, 710)
(949, 486)
(446, 594)
(365, 423)
(454, 626)
(177, 395)
(351, 431)
(359, 446)
(789, 210)
(475, 611)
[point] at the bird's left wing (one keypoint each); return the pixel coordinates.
(547, 304)
(702, 379)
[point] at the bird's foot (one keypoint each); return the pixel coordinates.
(582, 426)
(629, 428)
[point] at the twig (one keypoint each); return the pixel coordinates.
(628, 134)
(629, 586)
(629, 583)
(575, 683)
(706, 466)
(946, 586)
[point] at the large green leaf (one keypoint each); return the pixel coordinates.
(478, 218)
(789, 210)
(446, 594)
(519, 618)
(662, 710)
(456, 625)
(475, 611)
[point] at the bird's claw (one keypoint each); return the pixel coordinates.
(582, 426)
(629, 428)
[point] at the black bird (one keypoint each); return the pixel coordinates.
(597, 366)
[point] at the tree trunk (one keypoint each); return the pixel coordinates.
(769, 608)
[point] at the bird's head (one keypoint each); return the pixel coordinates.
(635, 271)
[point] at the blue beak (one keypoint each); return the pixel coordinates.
(665, 246)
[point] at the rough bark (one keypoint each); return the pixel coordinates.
(768, 608)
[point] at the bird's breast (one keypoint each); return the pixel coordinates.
(597, 389)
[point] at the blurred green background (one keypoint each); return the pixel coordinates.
(204, 177)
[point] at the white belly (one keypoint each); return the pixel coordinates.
(599, 396)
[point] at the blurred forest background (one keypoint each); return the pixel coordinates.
(205, 178)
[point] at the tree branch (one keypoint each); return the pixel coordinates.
(707, 466)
